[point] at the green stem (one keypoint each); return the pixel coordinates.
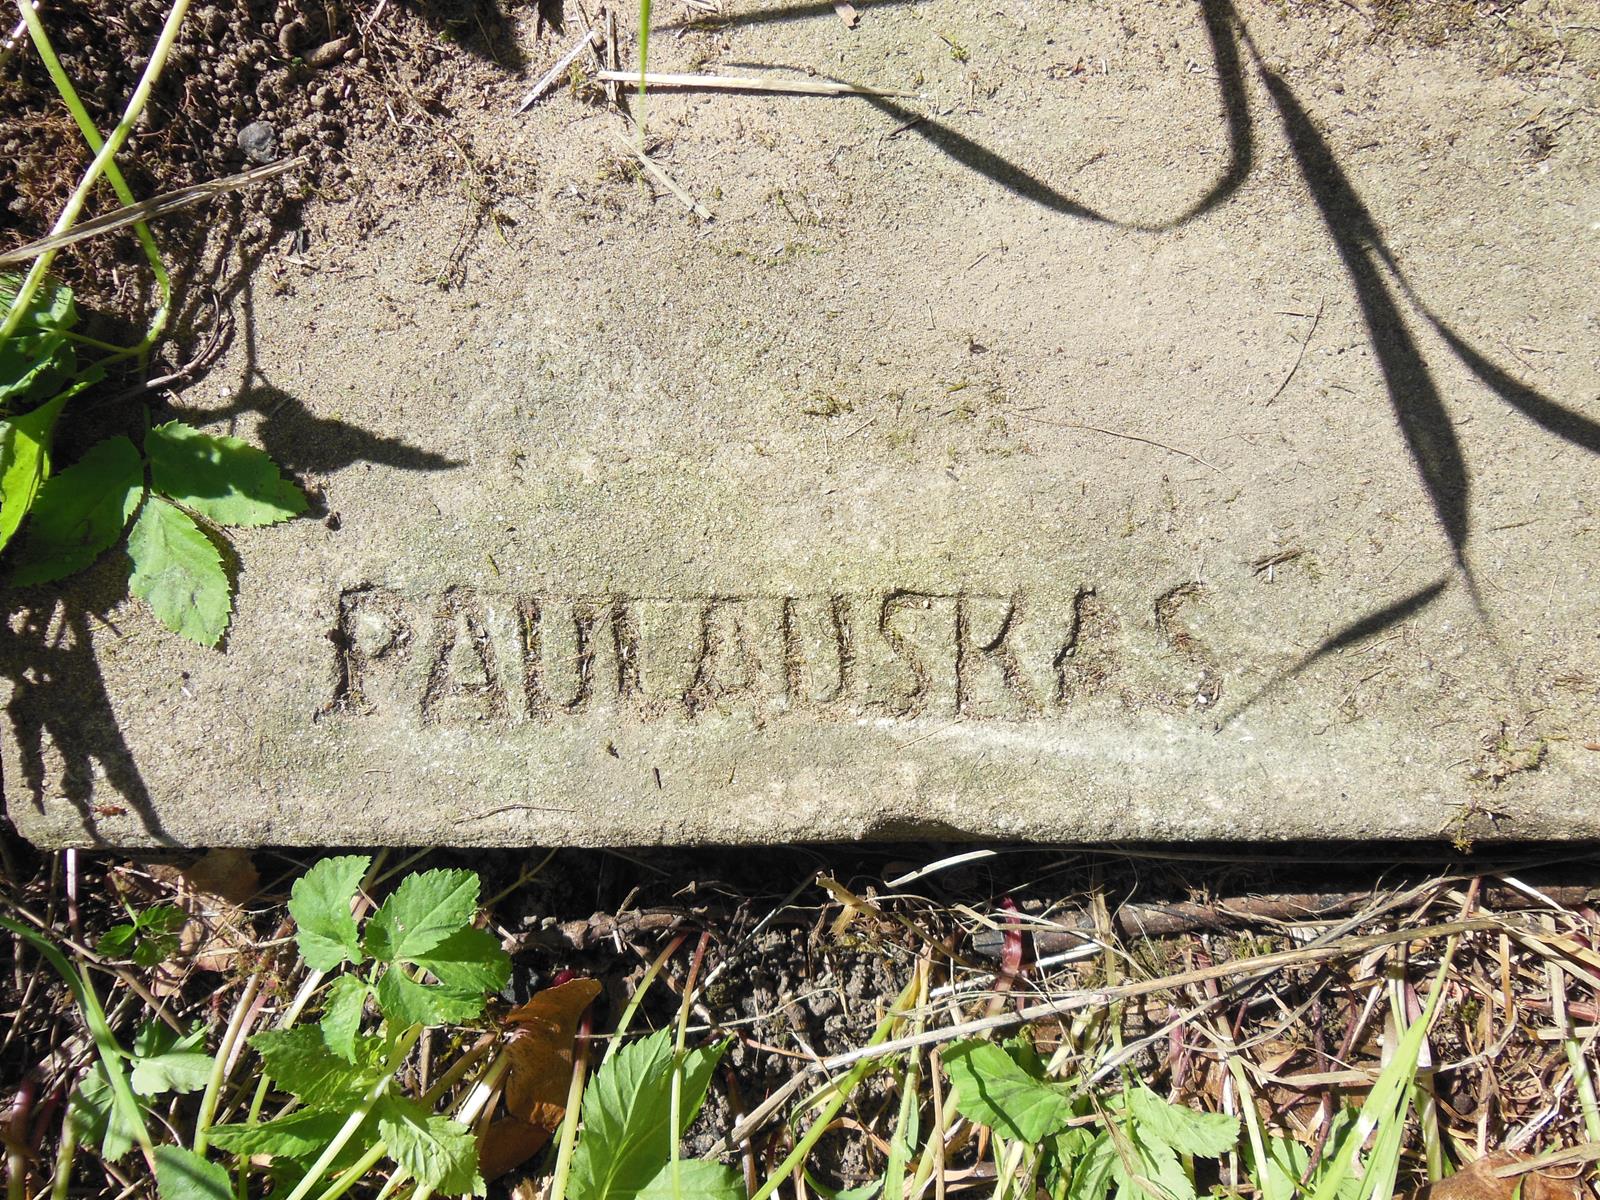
(230, 1038)
(86, 126)
(349, 1177)
(107, 151)
(569, 1120)
(105, 1042)
(638, 994)
(356, 1119)
(65, 1154)
(841, 1094)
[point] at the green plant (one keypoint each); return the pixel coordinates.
(1078, 1146)
(148, 937)
(330, 1103)
(178, 493)
(197, 484)
(346, 1110)
(629, 1142)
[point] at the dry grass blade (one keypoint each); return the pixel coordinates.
(148, 210)
(666, 181)
(1265, 964)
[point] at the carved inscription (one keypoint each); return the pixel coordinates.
(472, 657)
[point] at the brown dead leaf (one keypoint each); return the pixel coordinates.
(1479, 1181)
(540, 1049)
(507, 1144)
(847, 13)
(227, 874)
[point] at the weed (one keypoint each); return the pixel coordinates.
(171, 496)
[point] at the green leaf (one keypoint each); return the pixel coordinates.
(320, 902)
(97, 1118)
(150, 940)
(993, 1090)
(301, 1062)
(165, 1062)
(183, 1175)
(179, 573)
(1209, 1135)
(469, 960)
(697, 1179)
(301, 1133)
(423, 911)
(1093, 1174)
(37, 359)
(404, 1001)
(441, 1153)
(80, 512)
(222, 478)
(24, 462)
(341, 1015)
(627, 1114)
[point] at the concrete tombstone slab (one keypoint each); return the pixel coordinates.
(1176, 425)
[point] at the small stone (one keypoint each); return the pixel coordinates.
(259, 141)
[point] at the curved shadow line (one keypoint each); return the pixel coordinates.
(1358, 630)
(1222, 32)
(1551, 415)
(1414, 397)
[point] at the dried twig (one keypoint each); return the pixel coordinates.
(148, 210)
(747, 83)
(548, 79)
(1310, 333)
(666, 181)
(1131, 437)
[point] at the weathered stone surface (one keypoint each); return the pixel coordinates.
(1092, 460)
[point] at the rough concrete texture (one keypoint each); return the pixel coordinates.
(1175, 424)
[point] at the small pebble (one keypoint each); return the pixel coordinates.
(259, 141)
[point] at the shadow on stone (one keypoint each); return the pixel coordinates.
(59, 703)
(1376, 277)
(59, 698)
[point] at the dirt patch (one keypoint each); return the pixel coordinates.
(247, 82)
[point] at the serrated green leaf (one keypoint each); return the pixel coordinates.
(80, 512)
(1156, 1165)
(165, 1062)
(441, 1153)
(469, 960)
(404, 1001)
(341, 1015)
(184, 1175)
(319, 902)
(98, 1119)
(301, 1062)
(1208, 1135)
(178, 572)
(299, 1134)
(222, 478)
(699, 1179)
(627, 1115)
(424, 910)
(993, 1090)
(24, 462)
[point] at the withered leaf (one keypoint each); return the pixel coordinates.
(507, 1144)
(1480, 1180)
(540, 1050)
